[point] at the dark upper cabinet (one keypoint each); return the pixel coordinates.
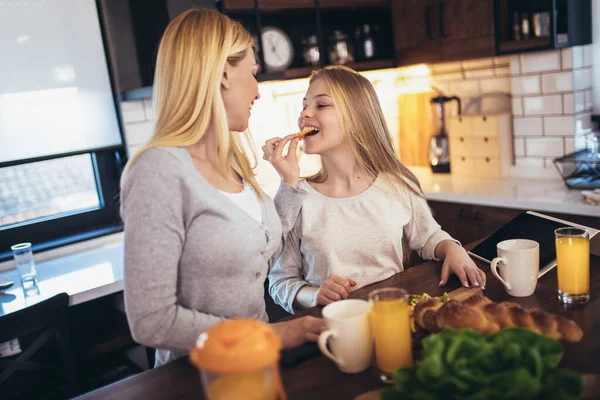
(416, 32)
(442, 30)
(551, 24)
(134, 30)
(466, 29)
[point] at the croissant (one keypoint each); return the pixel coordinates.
(481, 314)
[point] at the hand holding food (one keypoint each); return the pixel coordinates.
(287, 166)
(334, 288)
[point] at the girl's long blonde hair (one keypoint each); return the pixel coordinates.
(187, 88)
(364, 127)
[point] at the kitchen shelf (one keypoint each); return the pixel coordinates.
(304, 72)
(235, 5)
(526, 44)
(352, 3)
(291, 73)
(286, 4)
(372, 64)
(570, 24)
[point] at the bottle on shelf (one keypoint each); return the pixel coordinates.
(516, 26)
(367, 49)
(525, 26)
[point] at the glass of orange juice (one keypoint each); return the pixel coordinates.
(390, 320)
(573, 264)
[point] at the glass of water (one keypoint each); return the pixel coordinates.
(25, 264)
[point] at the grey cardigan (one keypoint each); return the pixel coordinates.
(193, 257)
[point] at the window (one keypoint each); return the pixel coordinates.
(61, 143)
(45, 189)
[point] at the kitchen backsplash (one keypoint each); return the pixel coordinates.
(552, 104)
(549, 94)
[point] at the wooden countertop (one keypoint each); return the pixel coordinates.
(318, 378)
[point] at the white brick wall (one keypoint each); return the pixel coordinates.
(483, 85)
(552, 100)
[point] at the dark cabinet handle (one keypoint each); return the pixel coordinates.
(462, 139)
(485, 139)
(463, 159)
(487, 159)
(441, 9)
(428, 14)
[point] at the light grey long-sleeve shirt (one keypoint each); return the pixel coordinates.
(192, 256)
(357, 237)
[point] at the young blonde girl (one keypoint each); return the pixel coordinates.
(359, 207)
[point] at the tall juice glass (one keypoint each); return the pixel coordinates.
(390, 319)
(573, 264)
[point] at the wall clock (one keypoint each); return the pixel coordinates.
(278, 51)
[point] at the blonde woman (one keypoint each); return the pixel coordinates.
(359, 207)
(200, 234)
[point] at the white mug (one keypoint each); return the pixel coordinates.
(349, 334)
(519, 262)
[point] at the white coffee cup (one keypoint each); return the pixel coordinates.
(348, 334)
(519, 263)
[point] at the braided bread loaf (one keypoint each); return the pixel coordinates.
(481, 314)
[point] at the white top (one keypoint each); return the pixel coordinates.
(357, 237)
(247, 200)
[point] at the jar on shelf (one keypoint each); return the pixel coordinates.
(341, 50)
(311, 53)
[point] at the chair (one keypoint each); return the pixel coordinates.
(35, 372)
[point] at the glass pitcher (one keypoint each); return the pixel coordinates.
(238, 359)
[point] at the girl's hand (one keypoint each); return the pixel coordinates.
(457, 261)
(287, 166)
(334, 288)
(298, 331)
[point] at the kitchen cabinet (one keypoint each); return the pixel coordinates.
(134, 29)
(466, 29)
(442, 30)
(469, 222)
(416, 37)
(549, 24)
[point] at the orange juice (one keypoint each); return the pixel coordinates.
(573, 264)
(257, 385)
(391, 328)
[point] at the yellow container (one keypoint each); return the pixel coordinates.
(573, 264)
(238, 360)
(390, 319)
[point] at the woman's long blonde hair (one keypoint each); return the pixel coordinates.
(187, 88)
(364, 127)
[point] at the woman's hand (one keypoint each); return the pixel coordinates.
(457, 261)
(298, 331)
(334, 288)
(287, 166)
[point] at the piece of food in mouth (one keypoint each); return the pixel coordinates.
(306, 131)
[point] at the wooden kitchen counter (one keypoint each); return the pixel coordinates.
(319, 378)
